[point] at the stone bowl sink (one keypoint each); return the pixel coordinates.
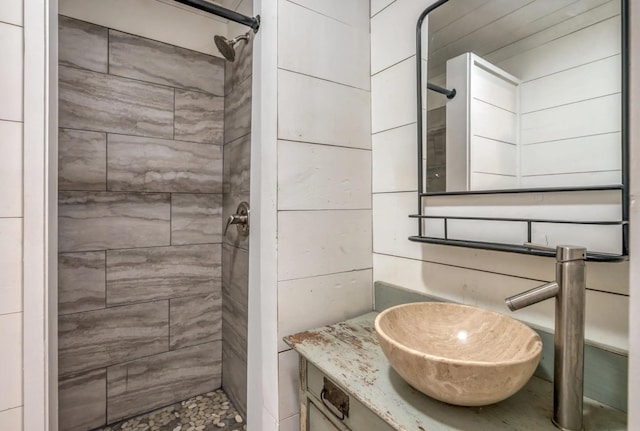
(458, 354)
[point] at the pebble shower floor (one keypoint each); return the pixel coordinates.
(207, 412)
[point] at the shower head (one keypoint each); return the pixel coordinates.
(226, 46)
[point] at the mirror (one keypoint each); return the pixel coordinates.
(522, 94)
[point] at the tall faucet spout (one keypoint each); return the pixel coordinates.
(533, 296)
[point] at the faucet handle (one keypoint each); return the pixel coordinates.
(564, 253)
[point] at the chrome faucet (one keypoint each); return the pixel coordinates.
(569, 289)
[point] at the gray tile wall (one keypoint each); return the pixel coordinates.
(140, 224)
(235, 250)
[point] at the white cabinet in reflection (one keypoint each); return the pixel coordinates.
(482, 132)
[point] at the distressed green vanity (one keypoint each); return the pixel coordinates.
(346, 383)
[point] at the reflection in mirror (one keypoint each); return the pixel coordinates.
(537, 99)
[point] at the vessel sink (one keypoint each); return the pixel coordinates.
(458, 354)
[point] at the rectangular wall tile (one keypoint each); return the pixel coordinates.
(82, 160)
(147, 60)
(82, 44)
(234, 325)
(307, 52)
(195, 320)
(157, 381)
(237, 165)
(308, 303)
(11, 369)
(317, 111)
(11, 12)
(237, 111)
(323, 242)
(11, 419)
(146, 274)
(161, 165)
(199, 117)
(10, 169)
(239, 70)
(103, 220)
(100, 338)
(81, 282)
(234, 378)
(235, 273)
(11, 72)
(323, 177)
(105, 103)
(10, 265)
(83, 401)
(196, 218)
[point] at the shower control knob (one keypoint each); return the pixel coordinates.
(240, 219)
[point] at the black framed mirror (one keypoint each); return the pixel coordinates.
(522, 118)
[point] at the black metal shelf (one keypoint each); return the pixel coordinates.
(523, 220)
(591, 256)
(537, 190)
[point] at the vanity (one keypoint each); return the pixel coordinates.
(346, 383)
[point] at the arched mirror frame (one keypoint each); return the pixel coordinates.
(521, 248)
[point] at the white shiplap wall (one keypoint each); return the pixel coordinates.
(324, 174)
(470, 276)
(11, 216)
(570, 105)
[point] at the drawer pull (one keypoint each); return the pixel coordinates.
(333, 395)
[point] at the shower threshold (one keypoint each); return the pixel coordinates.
(206, 412)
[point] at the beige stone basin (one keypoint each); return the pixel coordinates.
(458, 354)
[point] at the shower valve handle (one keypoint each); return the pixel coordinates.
(240, 218)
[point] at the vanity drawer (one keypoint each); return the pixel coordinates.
(357, 417)
(318, 421)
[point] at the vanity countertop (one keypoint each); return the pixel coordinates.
(349, 354)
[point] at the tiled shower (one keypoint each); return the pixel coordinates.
(154, 149)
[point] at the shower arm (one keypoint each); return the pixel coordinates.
(253, 22)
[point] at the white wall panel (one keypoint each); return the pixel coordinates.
(590, 44)
(393, 96)
(378, 5)
(11, 47)
(317, 111)
(288, 386)
(395, 168)
(10, 265)
(351, 12)
(11, 362)
(314, 176)
(393, 33)
(10, 169)
(604, 153)
(11, 12)
(308, 303)
(338, 53)
(573, 120)
(323, 242)
(11, 419)
(596, 79)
